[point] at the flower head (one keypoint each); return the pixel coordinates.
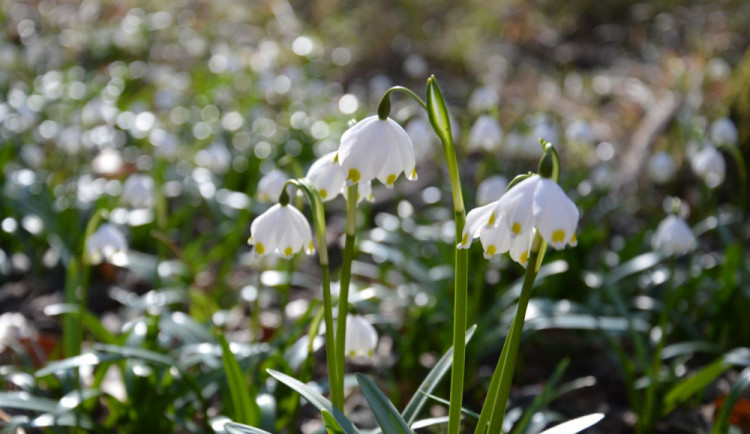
(328, 179)
(491, 189)
(282, 229)
(486, 133)
(535, 203)
(361, 337)
(724, 132)
(270, 186)
(661, 167)
(673, 236)
(709, 164)
(138, 191)
(107, 244)
(376, 148)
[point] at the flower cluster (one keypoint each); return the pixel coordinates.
(534, 204)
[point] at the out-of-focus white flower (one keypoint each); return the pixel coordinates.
(107, 162)
(542, 127)
(661, 167)
(328, 177)
(270, 186)
(421, 134)
(138, 191)
(724, 132)
(483, 98)
(709, 164)
(375, 148)
(282, 229)
(13, 328)
(107, 244)
(361, 337)
(486, 133)
(601, 176)
(534, 203)
(580, 131)
(216, 158)
(673, 236)
(491, 189)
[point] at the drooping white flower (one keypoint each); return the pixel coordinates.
(328, 177)
(270, 186)
(422, 136)
(138, 191)
(107, 244)
(282, 229)
(491, 189)
(673, 236)
(709, 164)
(361, 337)
(661, 167)
(486, 133)
(215, 158)
(375, 148)
(534, 203)
(580, 131)
(483, 98)
(724, 132)
(14, 327)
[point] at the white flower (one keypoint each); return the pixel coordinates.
(534, 203)
(107, 244)
(328, 179)
(673, 236)
(14, 327)
(282, 229)
(375, 148)
(138, 191)
(709, 164)
(215, 158)
(580, 131)
(107, 162)
(486, 133)
(491, 189)
(361, 337)
(483, 98)
(723, 131)
(421, 134)
(661, 167)
(270, 186)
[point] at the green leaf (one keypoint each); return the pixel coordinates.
(26, 401)
(685, 389)
(544, 398)
(438, 112)
(238, 428)
(330, 423)
(411, 411)
(388, 418)
(576, 425)
(244, 408)
(138, 353)
(721, 424)
(316, 399)
(88, 359)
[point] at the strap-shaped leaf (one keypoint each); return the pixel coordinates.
(721, 425)
(575, 425)
(316, 399)
(411, 411)
(244, 407)
(388, 418)
(238, 428)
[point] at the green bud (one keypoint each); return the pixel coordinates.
(549, 164)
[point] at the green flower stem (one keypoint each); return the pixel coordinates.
(649, 410)
(346, 277)
(497, 400)
(384, 107)
(319, 221)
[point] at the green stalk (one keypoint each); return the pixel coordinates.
(497, 400)
(319, 221)
(649, 410)
(346, 277)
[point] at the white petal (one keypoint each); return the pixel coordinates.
(555, 215)
(476, 219)
(327, 176)
(515, 207)
(495, 240)
(519, 248)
